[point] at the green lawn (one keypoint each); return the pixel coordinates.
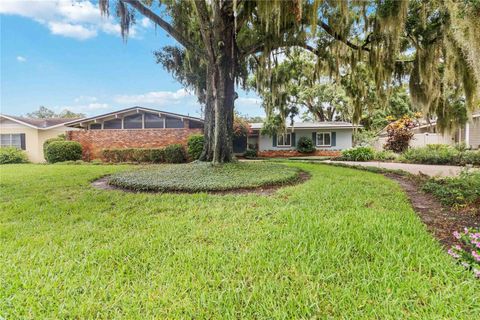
(345, 244)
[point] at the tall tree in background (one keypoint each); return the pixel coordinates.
(391, 41)
(45, 113)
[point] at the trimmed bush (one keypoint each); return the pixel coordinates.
(195, 146)
(385, 155)
(250, 153)
(358, 154)
(174, 153)
(59, 151)
(157, 155)
(305, 145)
(441, 154)
(47, 142)
(12, 155)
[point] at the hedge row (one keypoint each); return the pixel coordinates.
(174, 153)
(441, 154)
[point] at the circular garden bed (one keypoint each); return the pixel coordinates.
(200, 177)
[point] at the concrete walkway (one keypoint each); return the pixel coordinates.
(430, 170)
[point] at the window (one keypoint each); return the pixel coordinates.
(113, 124)
(95, 126)
(324, 139)
(195, 124)
(133, 121)
(153, 121)
(173, 123)
(11, 140)
(284, 140)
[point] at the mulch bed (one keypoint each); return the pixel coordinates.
(440, 220)
(266, 190)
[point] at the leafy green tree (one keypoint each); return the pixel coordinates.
(45, 113)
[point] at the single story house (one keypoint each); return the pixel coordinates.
(427, 133)
(329, 139)
(134, 127)
(29, 134)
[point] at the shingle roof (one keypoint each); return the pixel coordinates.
(40, 123)
(313, 125)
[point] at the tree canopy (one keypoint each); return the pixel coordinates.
(368, 47)
(46, 113)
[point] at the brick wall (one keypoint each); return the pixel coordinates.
(94, 141)
(295, 153)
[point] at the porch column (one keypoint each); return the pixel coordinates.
(467, 134)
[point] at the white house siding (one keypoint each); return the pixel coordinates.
(343, 139)
(475, 133)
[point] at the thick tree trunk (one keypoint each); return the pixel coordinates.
(220, 85)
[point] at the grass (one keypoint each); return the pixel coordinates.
(194, 177)
(345, 244)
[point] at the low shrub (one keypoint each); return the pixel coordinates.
(441, 154)
(460, 191)
(305, 145)
(358, 154)
(250, 153)
(468, 253)
(174, 153)
(59, 151)
(47, 142)
(157, 155)
(139, 155)
(195, 146)
(12, 155)
(385, 155)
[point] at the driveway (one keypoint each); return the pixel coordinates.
(429, 170)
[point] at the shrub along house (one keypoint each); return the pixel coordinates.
(134, 127)
(329, 138)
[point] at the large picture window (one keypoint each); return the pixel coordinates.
(95, 126)
(133, 122)
(174, 123)
(284, 140)
(11, 140)
(153, 121)
(113, 124)
(324, 139)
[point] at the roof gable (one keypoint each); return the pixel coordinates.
(42, 124)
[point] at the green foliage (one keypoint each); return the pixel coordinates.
(250, 153)
(59, 151)
(174, 153)
(358, 154)
(197, 252)
(196, 177)
(468, 253)
(385, 155)
(305, 145)
(45, 113)
(458, 191)
(364, 138)
(60, 137)
(441, 154)
(139, 155)
(195, 146)
(12, 155)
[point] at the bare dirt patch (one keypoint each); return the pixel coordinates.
(266, 190)
(440, 221)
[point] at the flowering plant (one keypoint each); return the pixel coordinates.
(468, 254)
(399, 134)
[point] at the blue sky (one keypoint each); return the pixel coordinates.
(62, 54)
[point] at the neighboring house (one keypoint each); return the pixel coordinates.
(29, 134)
(427, 133)
(134, 127)
(329, 139)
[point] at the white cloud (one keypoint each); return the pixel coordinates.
(88, 108)
(158, 98)
(78, 19)
(21, 59)
(85, 99)
(146, 23)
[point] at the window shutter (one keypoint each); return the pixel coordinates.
(293, 139)
(334, 139)
(22, 141)
(314, 138)
(274, 142)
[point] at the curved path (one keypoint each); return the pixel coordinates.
(429, 170)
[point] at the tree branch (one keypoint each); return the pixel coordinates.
(176, 34)
(341, 38)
